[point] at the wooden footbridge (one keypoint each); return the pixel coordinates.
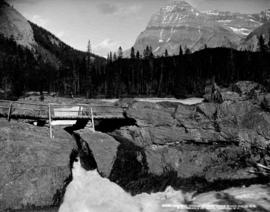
(52, 111)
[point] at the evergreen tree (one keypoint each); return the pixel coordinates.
(89, 48)
(180, 51)
(268, 44)
(111, 56)
(114, 56)
(146, 52)
(187, 50)
(262, 46)
(166, 54)
(151, 55)
(120, 53)
(138, 56)
(88, 55)
(132, 53)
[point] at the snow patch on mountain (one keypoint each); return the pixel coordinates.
(224, 21)
(241, 31)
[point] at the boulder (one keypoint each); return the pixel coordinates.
(252, 198)
(103, 147)
(266, 102)
(202, 123)
(249, 89)
(150, 114)
(230, 96)
(208, 140)
(213, 93)
(33, 168)
(139, 136)
(210, 162)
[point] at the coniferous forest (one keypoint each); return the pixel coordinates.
(79, 74)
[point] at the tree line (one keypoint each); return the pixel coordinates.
(143, 74)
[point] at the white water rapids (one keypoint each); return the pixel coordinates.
(89, 192)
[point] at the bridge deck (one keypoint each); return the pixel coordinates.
(22, 110)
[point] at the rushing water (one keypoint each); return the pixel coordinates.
(89, 192)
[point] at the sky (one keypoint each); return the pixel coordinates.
(109, 24)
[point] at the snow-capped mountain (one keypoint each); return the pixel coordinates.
(179, 23)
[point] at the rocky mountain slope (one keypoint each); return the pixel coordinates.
(14, 25)
(251, 42)
(181, 24)
(42, 43)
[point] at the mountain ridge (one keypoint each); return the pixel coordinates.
(40, 41)
(179, 23)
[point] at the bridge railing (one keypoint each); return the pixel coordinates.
(53, 111)
(58, 111)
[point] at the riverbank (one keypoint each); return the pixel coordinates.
(202, 147)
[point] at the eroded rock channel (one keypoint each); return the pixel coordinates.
(204, 147)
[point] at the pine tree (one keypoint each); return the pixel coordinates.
(132, 53)
(180, 51)
(111, 57)
(262, 46)
(146, 52)
(89, 48)
(166, 54)
(151, 55)
(187, 50)
(120, 53)
(138, 56)
(114, 56)
(88, 55)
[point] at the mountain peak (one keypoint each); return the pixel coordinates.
(177, 6)
(180, 3)
(14, 25)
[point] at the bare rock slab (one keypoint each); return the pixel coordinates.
(103, 147)
(33, 168)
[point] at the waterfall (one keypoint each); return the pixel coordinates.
(89, 192)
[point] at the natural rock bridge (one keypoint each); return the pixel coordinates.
(52, 111)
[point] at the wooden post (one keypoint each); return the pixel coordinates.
(92, 119)
(50, 121)
(9, 111)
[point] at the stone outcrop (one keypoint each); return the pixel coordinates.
(209, 140)
(249, 90)
(253, 198)
(202, 123)
(33, 168)
(103, 147)
(192, 147)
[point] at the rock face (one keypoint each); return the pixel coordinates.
(255, 198)
(104, 148)
(179, 23)
(14, 25)
(248, 89)
(209, 141)
(193, 147)
(33, 168)
(251, 42)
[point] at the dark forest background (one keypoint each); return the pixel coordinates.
(79, 74)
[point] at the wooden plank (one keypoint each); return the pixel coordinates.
(50, 122)
(92, 119)
(20, 110)
(9, 111)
